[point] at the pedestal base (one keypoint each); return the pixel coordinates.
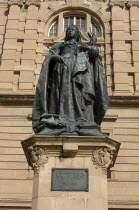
(97, 154)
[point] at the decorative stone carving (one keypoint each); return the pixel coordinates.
(54, 0)
(95, 0)
(124, 4)
(33, 2)
(115, 3)
(24, 2)
(132, 4)
(3, 3)
(103, 158)
(37, 157)
(15, 2)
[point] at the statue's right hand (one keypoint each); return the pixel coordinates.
(57, 58)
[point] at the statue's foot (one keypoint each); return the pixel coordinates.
(93, 130)
(90, 133)
(51, 132)
(66, 133)
(89, 129)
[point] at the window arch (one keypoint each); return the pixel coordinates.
(95, 29)
(53, 29)
(61, 22)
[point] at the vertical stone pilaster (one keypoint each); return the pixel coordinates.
(108, 57)
(119, 50)
(125, 33)
(60, 26)
(29, 49)
(88, 22)
(39, 51)
(10, 47)
(134, 19)
(3, 22)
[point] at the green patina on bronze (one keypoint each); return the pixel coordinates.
(71, 95)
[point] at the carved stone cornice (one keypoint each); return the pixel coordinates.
(122, 4)
(37, 147)
(25, 99)
(24, 2)
(3, 3)
(33, 2)
(15, 2)
(123, 203)
(132, 4)
(96, 0)
(117, 3)
(37, 157)
(103, 158)
(53, 0)
(115, 101)
(124, 101)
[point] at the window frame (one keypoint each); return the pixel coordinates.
(56, 21)
(74, 15)
(88, 19)
(97, 26)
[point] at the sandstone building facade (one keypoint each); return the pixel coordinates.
(28, 28)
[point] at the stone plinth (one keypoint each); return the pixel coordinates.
(97, 154)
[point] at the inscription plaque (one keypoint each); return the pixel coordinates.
(69, 179)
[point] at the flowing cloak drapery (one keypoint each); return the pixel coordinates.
(98, 87)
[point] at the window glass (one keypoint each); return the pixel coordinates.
(95, 29)
(53, 29)
(77, 20)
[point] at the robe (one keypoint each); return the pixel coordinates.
(70, 96)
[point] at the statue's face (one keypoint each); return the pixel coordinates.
(72, 32)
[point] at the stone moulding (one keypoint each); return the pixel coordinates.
(132, 4)
(24, 2)
(15, 2)
(33, 2)
(3, 4)
(37, 157)
(115, 3)
(123, 4)
(121, 101)
(103, 158)
(37, 147)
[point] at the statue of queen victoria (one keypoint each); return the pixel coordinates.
(71, 95)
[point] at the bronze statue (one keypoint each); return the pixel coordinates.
(71, 95)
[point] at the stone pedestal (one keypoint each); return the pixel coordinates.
(97, 154)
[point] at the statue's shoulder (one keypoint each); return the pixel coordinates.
(54, 49)
(57, 46)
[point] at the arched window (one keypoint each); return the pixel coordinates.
(77, 20)
(95, 29)
(53, 29)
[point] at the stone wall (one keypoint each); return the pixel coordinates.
(23, 45)
(15, 176)
(24, 35)
(125, 40)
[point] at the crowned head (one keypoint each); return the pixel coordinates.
(72, 32)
